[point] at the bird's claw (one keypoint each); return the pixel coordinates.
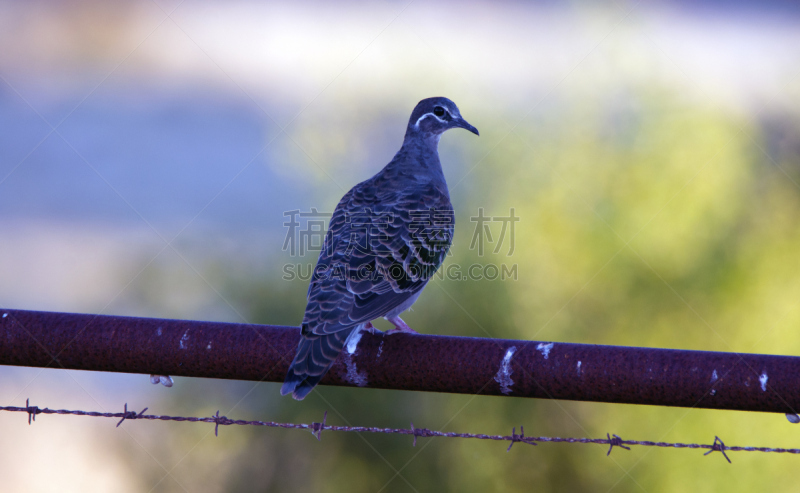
(398, 330)
(164, 380)
(371, 328)
(400, 327)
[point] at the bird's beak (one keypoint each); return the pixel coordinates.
(460, 122)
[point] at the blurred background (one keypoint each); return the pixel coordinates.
(149, 151)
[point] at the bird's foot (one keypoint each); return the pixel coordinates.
(371, 328)
(164, 380)
(400, 327)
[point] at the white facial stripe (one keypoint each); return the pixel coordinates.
(416, 125)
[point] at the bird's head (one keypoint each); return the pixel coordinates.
(433, 116)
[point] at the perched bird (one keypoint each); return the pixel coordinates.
(386, 238)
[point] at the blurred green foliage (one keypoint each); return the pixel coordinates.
(655, 222)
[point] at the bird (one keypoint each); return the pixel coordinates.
(386, 238)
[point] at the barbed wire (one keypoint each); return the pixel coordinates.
(317, 428)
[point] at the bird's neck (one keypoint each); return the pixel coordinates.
(418, 160)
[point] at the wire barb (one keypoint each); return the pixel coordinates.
(31, 410)
(316, 428)
(514, 438)
(718, 446)
(421, 432)
(617, 441)
(220, 420)
(518, 438)
(130, 414)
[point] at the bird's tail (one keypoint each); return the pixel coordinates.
(315, 355)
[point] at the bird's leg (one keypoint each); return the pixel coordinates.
(400, 326)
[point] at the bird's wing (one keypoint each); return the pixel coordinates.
(381, 248)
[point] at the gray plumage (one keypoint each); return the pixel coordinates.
(386, 238)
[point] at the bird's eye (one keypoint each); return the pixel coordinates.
(438, 111)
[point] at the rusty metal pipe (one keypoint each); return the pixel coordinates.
(466, 365)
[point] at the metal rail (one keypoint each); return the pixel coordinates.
(552, 370)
